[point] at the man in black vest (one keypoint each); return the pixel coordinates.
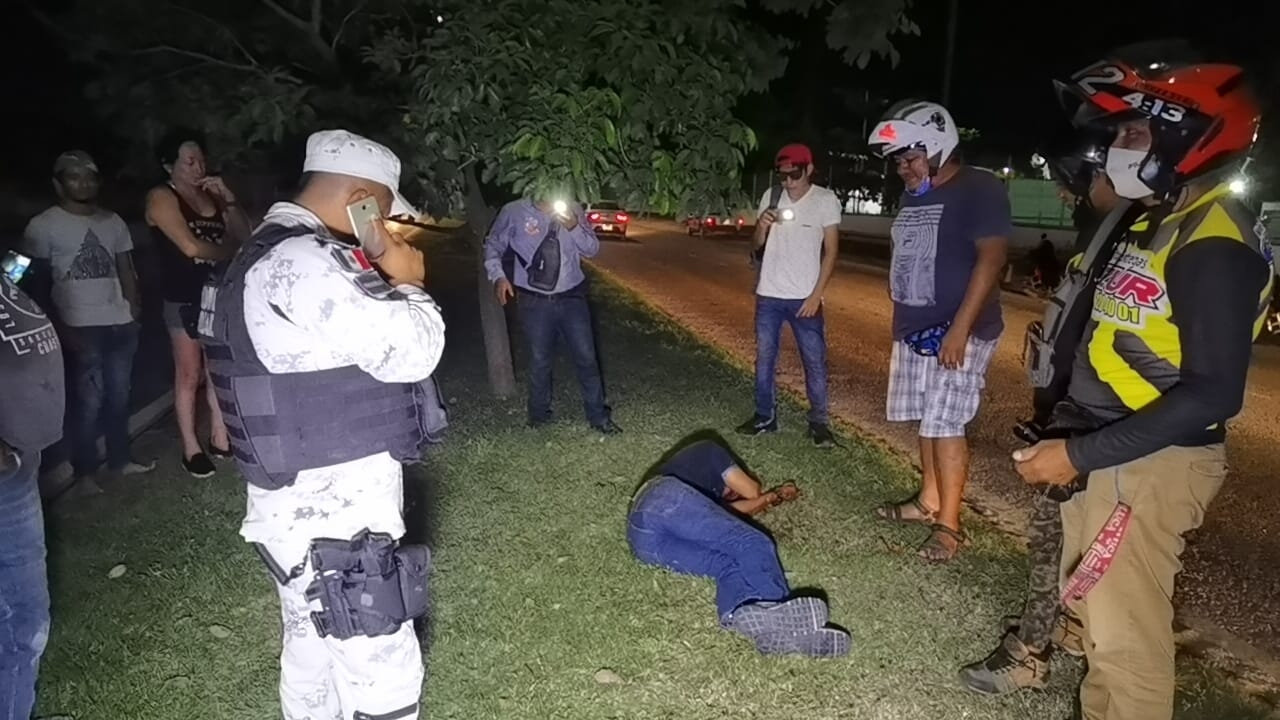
(319, 353)
(31, 414)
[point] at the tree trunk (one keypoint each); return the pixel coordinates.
(493, 317)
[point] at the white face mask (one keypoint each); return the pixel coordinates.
(1122, 168)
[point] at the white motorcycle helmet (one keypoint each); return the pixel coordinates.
(916, 124)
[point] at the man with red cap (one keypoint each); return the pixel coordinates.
(797, 235)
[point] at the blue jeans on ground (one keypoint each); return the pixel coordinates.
(24, 589)
(811, 339)
(544, 318)
(101, 360)
(675, 526)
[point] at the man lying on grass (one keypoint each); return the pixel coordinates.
(691, 518)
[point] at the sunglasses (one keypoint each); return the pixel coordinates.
(793, 174)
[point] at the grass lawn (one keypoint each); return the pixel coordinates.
(534, 589)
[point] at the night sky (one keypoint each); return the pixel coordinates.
(1007, 53)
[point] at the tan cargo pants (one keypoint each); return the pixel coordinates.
(1128, 616)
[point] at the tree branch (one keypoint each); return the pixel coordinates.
(312, 29)
(225, 31)
(343, 25)
(198, 56)
(289, 17)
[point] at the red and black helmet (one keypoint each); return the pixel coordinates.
(1204, 118)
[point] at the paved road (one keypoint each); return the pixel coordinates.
(1232, 572)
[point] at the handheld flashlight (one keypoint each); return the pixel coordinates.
(787, 214)
(560, 207)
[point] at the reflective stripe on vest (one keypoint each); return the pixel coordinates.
(1131, 353)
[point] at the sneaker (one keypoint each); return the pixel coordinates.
(1009, 668)
(199, 466)
(758, 425)
(84, 486)
(608, 427)
(797, 616)
(821, 643)
(136, 468)
(821, 435)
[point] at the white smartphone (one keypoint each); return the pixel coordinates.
(362, 214)
(15, 265)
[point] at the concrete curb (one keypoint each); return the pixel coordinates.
(55, 480)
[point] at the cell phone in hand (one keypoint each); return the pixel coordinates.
(15, 265)
(362, 214)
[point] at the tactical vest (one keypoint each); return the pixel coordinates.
(282, 423)
(1130, 354)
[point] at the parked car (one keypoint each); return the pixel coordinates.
(608, 218)
(717, 224)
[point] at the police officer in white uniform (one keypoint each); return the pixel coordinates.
(319, 355)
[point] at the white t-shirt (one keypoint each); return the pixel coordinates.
(305, 311)
(81, 250)
(793, 254)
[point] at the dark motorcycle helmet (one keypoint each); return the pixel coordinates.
(1075, 156)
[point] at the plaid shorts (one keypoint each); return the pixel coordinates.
(943, 400)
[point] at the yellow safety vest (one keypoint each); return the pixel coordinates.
(1130, 353)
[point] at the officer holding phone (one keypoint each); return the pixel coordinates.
(321, 356)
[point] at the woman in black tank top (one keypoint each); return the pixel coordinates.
(196, 225)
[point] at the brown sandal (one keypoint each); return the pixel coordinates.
(893, 512)
(936, 549)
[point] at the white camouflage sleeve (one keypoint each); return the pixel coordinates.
(395, 335)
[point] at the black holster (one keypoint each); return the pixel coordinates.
(367, 585)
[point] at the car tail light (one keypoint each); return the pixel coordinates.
(622, 217)
(711, 221)
(594, 216)
(741, 222)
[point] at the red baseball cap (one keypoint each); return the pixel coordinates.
(794, 154)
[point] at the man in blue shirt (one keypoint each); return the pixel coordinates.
(549, 242)
(949, 246)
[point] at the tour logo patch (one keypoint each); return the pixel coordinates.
(1130, 292)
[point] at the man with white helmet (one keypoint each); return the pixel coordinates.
(320, 355)
(949, 246)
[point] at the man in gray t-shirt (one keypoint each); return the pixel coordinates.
(83, 258)
(949, 246)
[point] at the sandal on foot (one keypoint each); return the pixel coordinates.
(893, 512)
(937, 547)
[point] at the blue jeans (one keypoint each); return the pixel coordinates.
(24, 589)
(811, 339)
(676, 526)
(101, 360)
(544, 318)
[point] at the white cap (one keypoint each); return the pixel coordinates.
(344, 153)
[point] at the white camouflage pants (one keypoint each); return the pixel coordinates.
(360, 678)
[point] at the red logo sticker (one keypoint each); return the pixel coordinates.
(888, 133)
(1128, 285)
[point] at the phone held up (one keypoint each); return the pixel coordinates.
(15, 265)
(362, 215)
